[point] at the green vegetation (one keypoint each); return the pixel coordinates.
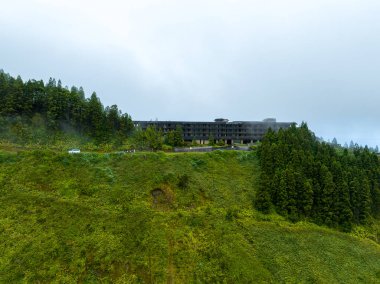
(117, 217)
(38, 113)
(306, 179)
(158, 218)
(174, 138)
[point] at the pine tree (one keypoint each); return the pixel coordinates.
(95, 118)
(282, 194)
(154, 138)
(328, 188)
(61, 109)
(263, 200)
(306, 198)
(364, 201)
(291, 189)
(307, 177)
(344, 214)
(178, 136)
(175, 137)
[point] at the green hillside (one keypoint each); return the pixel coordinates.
(161, 218)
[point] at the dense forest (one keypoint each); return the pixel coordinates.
(36, 113)
(33, 111)
(114, 216)
(303, 178)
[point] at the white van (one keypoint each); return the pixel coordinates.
(74, 151)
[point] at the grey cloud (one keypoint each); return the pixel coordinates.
(314, 61)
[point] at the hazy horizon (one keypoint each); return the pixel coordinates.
(312, 61)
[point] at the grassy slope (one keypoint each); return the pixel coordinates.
(83, 218)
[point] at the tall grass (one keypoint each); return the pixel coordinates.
(156, 218)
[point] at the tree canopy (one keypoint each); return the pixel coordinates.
(302, 178)
(59, 110)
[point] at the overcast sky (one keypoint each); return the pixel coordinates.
(297, 60)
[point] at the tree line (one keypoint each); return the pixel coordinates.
(303, 178)
(153, 138)
(59, 109)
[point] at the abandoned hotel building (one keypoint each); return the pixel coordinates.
(220, 129)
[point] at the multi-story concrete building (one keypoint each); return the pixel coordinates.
(220, 129)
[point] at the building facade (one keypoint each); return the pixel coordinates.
(220, 129)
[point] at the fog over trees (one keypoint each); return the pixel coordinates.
(48, 109)
(302, 178)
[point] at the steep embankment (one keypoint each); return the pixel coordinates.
(159, 218)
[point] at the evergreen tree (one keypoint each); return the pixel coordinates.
(178, 136)
(154, 138)
(211, 140)
(263, 196)
(291, 188)
(305, 177)
(61, 109)
(306, 198)
(328, 188)
(95, 118)
(169, 138)
(364, 200)
(175, 137)
(281, 194)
